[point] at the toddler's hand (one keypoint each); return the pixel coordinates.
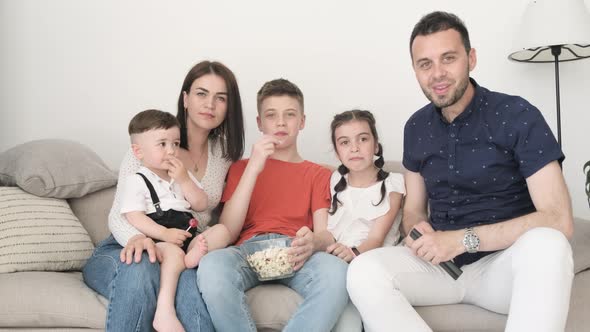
(175, 236)
(176, 170)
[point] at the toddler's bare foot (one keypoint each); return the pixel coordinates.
(166, 321)
(198, 250)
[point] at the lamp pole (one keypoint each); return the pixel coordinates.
(556, 51)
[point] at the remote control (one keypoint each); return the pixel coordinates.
(452, 269)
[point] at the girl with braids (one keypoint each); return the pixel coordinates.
(365, 198)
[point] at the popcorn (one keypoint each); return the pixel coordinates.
(271, 263)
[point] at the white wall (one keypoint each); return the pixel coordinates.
(81, 69)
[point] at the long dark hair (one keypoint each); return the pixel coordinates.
(230, 133)
(339, 120)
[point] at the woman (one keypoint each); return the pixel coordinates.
(212, 137)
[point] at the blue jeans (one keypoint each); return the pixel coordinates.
(224, 276)
(132, 291)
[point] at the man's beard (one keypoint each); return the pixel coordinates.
(448, 101)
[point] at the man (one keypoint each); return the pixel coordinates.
(487, 166)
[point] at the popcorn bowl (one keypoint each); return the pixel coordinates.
(269, 259)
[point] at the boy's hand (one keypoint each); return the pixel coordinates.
(176, 170)
(341, 251)
(175, 236)
(301, 247)
(261, 150)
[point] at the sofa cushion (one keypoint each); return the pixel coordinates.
(54, 168)
(49, 299)
(40, 234)
(581, 245)
(272, 305)
(92, 211)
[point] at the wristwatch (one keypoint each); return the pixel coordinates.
(471, 241)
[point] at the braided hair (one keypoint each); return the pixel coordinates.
(339, 120)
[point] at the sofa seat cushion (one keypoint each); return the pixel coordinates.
(272, 305)
(49, 299)
(461, 317)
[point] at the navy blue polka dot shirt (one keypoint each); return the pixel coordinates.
(475, 168)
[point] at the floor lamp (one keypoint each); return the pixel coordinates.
(553, 31)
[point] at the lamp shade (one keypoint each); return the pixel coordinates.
(548, 23)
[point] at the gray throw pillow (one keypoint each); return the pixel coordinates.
(55, 168)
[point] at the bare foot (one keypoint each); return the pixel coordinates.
(166, 321)
(198, 250)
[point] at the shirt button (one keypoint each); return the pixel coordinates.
(452, 135)
(451, 166)
(456, 192)
(452, 221)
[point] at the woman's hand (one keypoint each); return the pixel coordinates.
(301, 247)
(135, 247)
(341, 251)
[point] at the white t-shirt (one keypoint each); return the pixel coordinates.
(212, 182)
(357, 214)
(135, 195)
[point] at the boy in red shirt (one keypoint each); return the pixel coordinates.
(276, 194)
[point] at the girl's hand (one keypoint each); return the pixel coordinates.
(341, 251)
(261, 150)
(135, 247)
(176, 170)
(301, 247)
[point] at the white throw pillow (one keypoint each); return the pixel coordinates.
(40, 234)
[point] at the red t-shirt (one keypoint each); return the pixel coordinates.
(284, 197)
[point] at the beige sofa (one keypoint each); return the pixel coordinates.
(60, 301)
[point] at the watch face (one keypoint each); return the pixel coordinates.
(471, 241)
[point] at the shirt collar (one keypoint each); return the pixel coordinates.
(475, 104)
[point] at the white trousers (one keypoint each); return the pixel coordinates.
(530, 281)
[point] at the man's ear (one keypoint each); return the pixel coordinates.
(136, 151)
(472, 59)
(259, 123)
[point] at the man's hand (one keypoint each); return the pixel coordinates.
(435, 247)
(135, 247)
(176, 170)
(261, 150)
(301, 247)
(341, 251)
(175, 236)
